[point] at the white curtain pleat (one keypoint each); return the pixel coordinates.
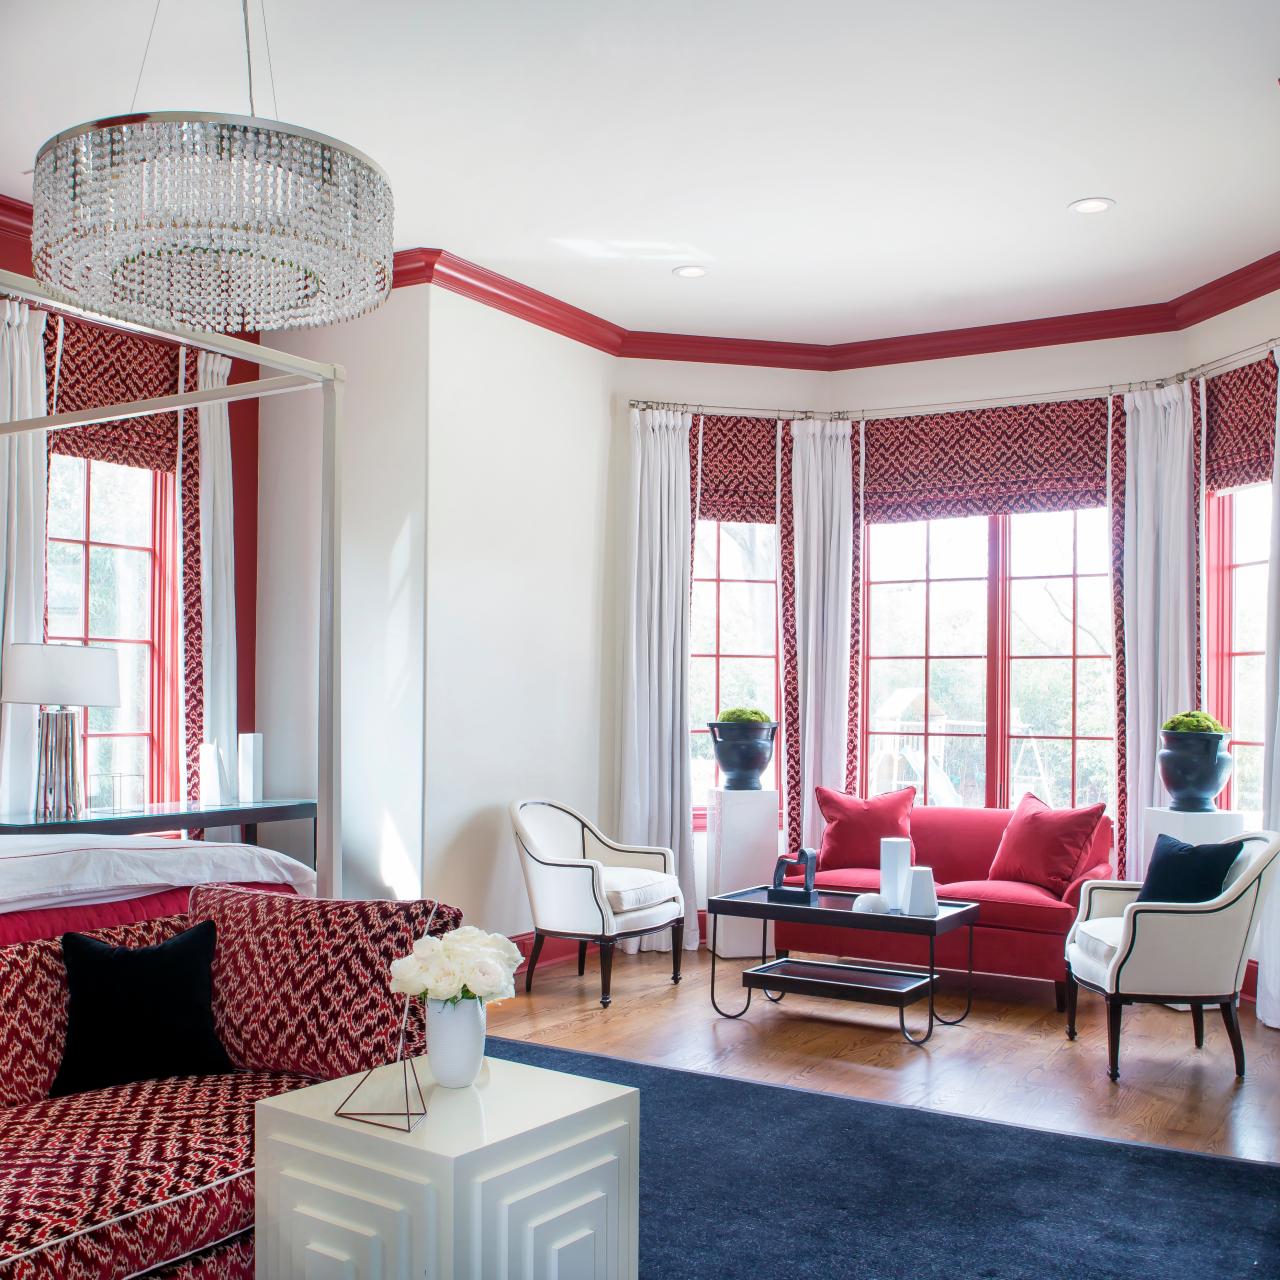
(217, 574)
(1159, 590)
(655, 803)
(822, 487)
(24, 494)
(1267, 947)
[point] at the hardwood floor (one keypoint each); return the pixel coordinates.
(1010, 1061)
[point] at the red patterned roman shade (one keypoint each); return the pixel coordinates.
(1241, 421)
(739, 468)
(1029, 457)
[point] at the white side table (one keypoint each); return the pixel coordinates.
(742, 851)
(528, 1173)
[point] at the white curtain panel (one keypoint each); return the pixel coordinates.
(23, 496)
(655, 804)
(1159, 590)
(1267, 948)
(218, 573)
(822, 502)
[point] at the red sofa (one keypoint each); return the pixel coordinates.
(156, 1177)
(1021, 928)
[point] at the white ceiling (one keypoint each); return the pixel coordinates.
(845, 169)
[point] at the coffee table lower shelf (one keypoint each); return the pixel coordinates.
(895, 987)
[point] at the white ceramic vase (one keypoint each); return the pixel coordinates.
(455, 1041)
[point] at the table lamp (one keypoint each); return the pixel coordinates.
(60, 678)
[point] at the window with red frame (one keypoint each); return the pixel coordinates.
(1238, 541)
(733, 639)
(102, 559)
(987, 670)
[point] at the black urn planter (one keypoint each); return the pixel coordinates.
(1194, 767)
(743, 751)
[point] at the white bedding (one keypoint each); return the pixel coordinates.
(66, 871)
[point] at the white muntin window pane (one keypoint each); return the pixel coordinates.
(957, 695)
(896, 551)
(1095, 698)
(702, 754)
(1040, 696)
(958, 548)
(896, 624)
(1040, 614)
(702, 691)
(1249, 608)
(702, 618)
(120, 504)
(1040, 543)
(748, 617)
(748, 551)
(1096, 775)
(1043, 767)
(704, 549)
(1248, 679)
(135, 694)
(1251, 523)
(958, 617)
(749, 682)
(894, 761)
(1093, 540)
(65, 569)
(119, 593)
(957, 772)
(895, 695)
(1095, 618)
(126, 756)
(66, 497)
(1246, 783)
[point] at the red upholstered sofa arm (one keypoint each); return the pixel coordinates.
(1102, 871)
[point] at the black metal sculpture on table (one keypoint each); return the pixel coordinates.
(805, 860)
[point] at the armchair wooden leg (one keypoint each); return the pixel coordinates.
(606, 972)
(1060, 996)
(1231, 1016)
(1073, 992)
(677, 948)
(1114, 1009)
(582, 958)
(1197, 1024)
(538, 940)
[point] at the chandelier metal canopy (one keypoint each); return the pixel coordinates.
(216, 222)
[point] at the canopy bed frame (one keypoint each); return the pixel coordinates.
(290, 373)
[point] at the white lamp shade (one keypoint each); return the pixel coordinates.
(67, 675)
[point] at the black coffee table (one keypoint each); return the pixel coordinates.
(870, 983)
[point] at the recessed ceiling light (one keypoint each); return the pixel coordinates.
(691, 272)
(1091, 204)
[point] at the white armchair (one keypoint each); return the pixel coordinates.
(1194, 953)
(584, 886)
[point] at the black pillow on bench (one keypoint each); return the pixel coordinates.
(1181, 872)
(139, 1013)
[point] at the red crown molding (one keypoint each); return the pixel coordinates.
(439, 267)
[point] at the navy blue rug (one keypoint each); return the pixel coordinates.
(743, 1181)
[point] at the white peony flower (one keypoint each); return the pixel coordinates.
(486, 977)
(407, 975)
(444, 978)
(427, 946)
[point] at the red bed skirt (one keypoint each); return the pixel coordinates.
(52, 922)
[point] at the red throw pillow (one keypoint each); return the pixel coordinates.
(855, 827)
(1045, 846)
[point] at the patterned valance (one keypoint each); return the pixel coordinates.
(106, 366)
(739, 468)
(1241, 414)
(1029, 457)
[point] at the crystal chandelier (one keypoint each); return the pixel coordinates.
(215, 222)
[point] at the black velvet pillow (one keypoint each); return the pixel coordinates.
(139, 1013)
(1181, 872)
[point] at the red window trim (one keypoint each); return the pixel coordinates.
(700, 810)
(999, 659)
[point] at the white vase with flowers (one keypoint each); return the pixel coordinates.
(457, 975)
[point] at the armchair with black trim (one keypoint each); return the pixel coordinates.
(588, 888)
(1193, 953)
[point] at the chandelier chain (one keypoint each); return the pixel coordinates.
(248, 55)
(146, 49)
(271, 71)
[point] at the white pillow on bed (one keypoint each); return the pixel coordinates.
(65, 871)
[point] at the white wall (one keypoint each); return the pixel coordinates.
(521, 620)
(382, 467)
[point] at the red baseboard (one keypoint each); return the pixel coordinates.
(1250, 989)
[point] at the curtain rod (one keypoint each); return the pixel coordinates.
(1219, 365)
